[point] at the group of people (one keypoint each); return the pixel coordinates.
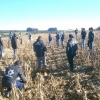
(59, 39)
(83, 36)
(13, 72)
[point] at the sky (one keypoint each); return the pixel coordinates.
(43, 14)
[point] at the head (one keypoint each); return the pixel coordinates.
(18, 63)
(14, 35)
(49, 34)
(91, 29)
(39, 38)
(83, 29)
(70, 36)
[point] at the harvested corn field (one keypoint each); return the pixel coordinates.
(60, 83)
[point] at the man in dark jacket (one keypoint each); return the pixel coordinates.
(90, 38)
(72, 47)
(40, 49)
(1, 47)
(50, 40)
(58, 39)
(62, 39)
(11, 75)
(30, 37)
(83, 35)
(14, 44)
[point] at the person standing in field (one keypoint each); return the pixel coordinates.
(83, 35)
(72, 47)
(1, 47)
(76, 31)
(58, 39)
(30, 37)
(62, 39)
(14, 44)
(10, 35)
(50, 40)
(20, 37)
(11, 78)
(90, 38)
(40, 49)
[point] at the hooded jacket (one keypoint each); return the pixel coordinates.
(39, 48)
(14, 42)
(11, 75)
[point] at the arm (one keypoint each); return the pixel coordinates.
(21, 75)
(44, 47)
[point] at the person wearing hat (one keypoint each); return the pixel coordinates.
(72, 47)
(1, 47)
(83, 35)
(11, 75)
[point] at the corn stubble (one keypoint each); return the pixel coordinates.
(60, 84)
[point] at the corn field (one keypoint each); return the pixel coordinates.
(60, 83)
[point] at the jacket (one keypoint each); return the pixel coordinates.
(50, 38)
(62, 37)
(57, 37)
(11, 75)
(39, 48)
(83, 34)
(72, 47)
(91, 37)
(14, 42)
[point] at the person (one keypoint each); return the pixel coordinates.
(14, 44)
(50, 40)
(76, 31)
(40, 49)
(11, 78)
(20, 37)
(83, 35)
(10, 35)
(30, 37)
(62, 39)
(1, 47)
(90, 38)
(71, 48)
(58, 39)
